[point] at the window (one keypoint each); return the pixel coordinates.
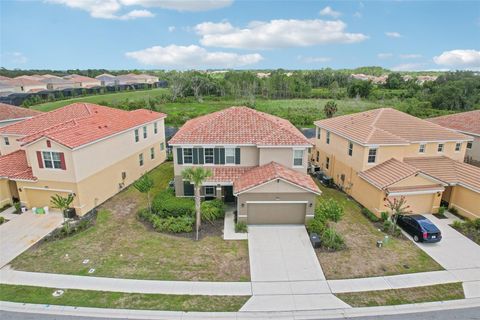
(140, 159)
(209, 191)
(162, 146)
(350, 148)
(440, 147)
(458, 145)
(152, 153)
(327, 163)
(318, 156)
(145, 132)
(187, 155)
(137, 138)
(229, 155)
(7, 142)
(372, 155)
(208, 154)
(421, 148)
(155, 128)
(319, 133)
(52, 160)
(297, 158)
(328, 137)
(469, 144)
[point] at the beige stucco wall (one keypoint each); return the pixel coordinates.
(14, 144)
(5, 195)
(284, 156)
(466, 201)
(474, 153)
(277, 186)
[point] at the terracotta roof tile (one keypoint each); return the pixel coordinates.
(271, 171)
(387, 126)
(388, 173)
(15, 166)
(8, 112)
(468, 122)
(239, 125)
(227, 174)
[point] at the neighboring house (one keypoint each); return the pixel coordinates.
(469, 124)
(258, 161)
(381, 153)
(23, 85)
(124, 79)
(145, 78)
(85, 82)
(57, 83)
(86, 149)
(107, 79)
(10, 114)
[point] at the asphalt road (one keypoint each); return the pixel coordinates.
(458, 314)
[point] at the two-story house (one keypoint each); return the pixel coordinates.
(258, 161)
(86, 149)
(385, 153)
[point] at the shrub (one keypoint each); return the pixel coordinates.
(332, 240)
(241, 227)
(441, 210)
(329, 210)
(316, 226)
(384, 215)
(18, 207)
(165, 204)
(212, 210)
(173, 224)
(389, 229)
(369, 214)
(476, 224)
(453, 210)
(457, 224)
(2, 220)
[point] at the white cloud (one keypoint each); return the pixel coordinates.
(393, 34)
(459, 58)
(384, 55)
(134, 14)
(410, 56)
(276, 34)
(328, 11)
(358, 15)
(171, 28)
(16, 57)
(409, 67)
(181, 5)
(314, 59)
(191, 56)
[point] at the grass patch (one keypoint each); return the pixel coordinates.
(440, 292)
(121, 246)
(119, 300)
(362, 258)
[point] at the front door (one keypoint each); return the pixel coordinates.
(228, 191)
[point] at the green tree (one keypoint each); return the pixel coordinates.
(394, 81)
(197, 177)
(330, 109)
(62, 203)
(397, 206)
(145, 185)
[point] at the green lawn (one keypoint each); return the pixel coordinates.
(121, 246)
(362, 258)
(441, 292)
(118, 300)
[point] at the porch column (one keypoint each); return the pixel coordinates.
(218, 193)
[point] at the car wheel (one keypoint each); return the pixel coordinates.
(415, 238)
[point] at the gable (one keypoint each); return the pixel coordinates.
(415, 180)
(277, 186)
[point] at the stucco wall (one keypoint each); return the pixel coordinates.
(5, 195)
(284, 156)
(466, 201)
(474, 153)
(14, 144)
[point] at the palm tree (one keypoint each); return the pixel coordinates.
(330, 109)
(62, 203)
(197, 177)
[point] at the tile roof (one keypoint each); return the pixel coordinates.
(79, 123)
(271, 171)
(227, 174)
(448, 170)
(8, 112)
(15, 166)
(387, 126)
(387, 173)
(239, 125)
(79, 78)
(468, 122)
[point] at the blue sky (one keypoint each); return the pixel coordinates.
(184, 34)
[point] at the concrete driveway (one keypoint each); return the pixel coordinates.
(24, 231)
(454, 251)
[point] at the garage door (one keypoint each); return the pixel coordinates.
(420, 203)
(276, 213)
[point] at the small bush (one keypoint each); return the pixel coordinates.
(241, 227)
(173, 224)
(384, 216)
(369, 214)
(165, 204)
(2, 220)
(329, 210)
(457, 224)
(453, 210)
(212, 210)
(316, 226)
(441, 210)
(389, 229)
(18, 207)
(332, 240)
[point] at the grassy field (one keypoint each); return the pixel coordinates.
(441, 292)
(118, 300)
(121, 246)
(362, 258)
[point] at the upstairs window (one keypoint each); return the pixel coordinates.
(372, 155)
(319, 133)
(152, 153)
(230, 155)
(440, 147)
(188, 155)
(469, 144)
(7, 142)
(208, 156)
(52, 160)
(155, 128)
(350, 148)
(328, 137)
(137, 137)
(297, 158)
(458, 146)
(421, 148)
(145, 132)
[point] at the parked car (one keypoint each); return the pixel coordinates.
(420, 228)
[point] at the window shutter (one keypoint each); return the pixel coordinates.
(63, 166)
(216, 154)
(179, 156)
(222, 155)
(40, 160)
(195, 155)
(237, 155)
(200, 155)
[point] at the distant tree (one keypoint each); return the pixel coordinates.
(330, 109)
(359, 88)
(394, 81)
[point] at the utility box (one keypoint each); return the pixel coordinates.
(315, 240)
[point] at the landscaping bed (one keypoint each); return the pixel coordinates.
(119, 300)
(119, 245)
(440, 292)
(470, 229)
(361, 258)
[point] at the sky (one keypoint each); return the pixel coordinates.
(239, 34)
